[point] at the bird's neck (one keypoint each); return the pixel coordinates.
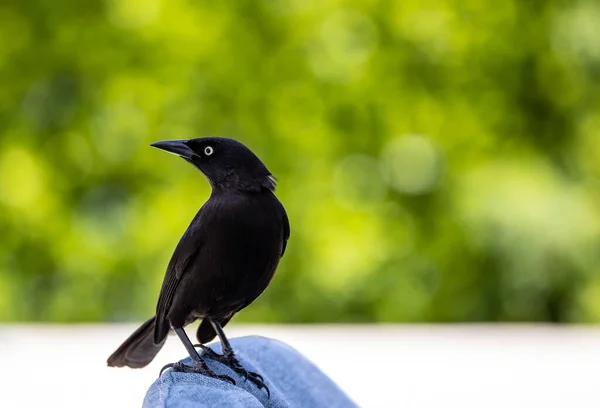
(245, 184)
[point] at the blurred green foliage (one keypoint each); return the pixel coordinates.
(439, 160)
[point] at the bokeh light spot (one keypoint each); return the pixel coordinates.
(21, 177)
(577, 32)
(133, 13)
(411, 164)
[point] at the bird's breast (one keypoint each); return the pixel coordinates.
(240, 256)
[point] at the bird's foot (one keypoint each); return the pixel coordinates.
(198, 369)
(232, 362)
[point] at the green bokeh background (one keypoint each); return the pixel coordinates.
(439, 160)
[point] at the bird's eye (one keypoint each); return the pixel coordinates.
(208, 150)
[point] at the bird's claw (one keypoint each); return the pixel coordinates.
(257, 380)
(197, 369)
(209, 352)
(238, 368)
(167, 366)
(230, 361)
(257, 376)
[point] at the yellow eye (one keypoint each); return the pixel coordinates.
(208, 150)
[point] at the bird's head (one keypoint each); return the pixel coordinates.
(226, 163)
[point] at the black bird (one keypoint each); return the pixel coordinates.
(223, 262)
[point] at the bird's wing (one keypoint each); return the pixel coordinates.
(187, 249)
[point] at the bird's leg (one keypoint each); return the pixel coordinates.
(229, 359)
(198, 365)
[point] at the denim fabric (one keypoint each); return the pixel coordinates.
(292, 379)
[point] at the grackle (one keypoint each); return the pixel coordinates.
(224, 261)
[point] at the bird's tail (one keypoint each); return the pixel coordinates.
(139, 349)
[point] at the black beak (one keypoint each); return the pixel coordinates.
(177, 147)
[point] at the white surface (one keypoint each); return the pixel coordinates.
(379, 366)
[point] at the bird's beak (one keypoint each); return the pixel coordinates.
(177, 147)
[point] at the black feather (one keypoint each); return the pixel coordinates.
(228, 255)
